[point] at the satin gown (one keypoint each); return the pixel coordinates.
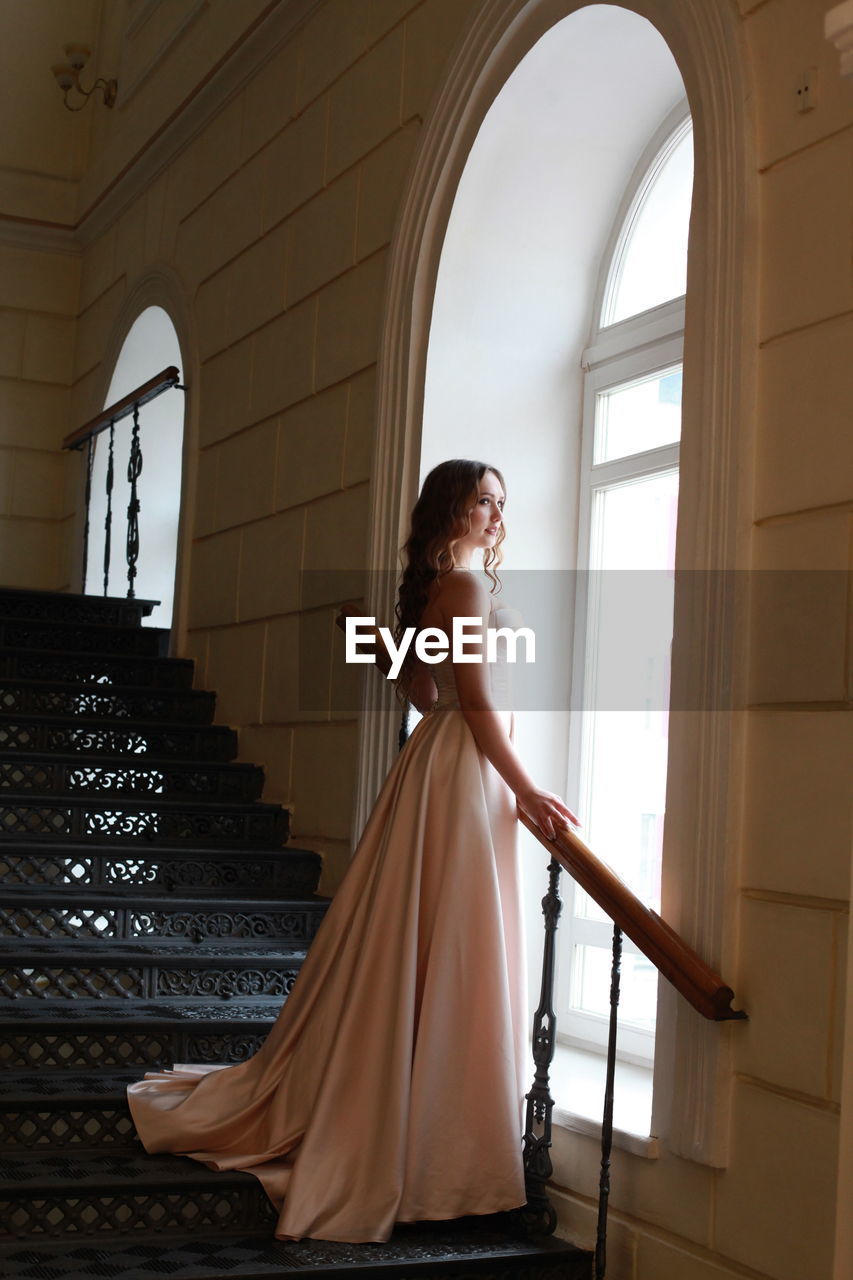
(390, 1087)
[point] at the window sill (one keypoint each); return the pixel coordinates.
(577, 1087)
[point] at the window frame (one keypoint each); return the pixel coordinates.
(618, 353)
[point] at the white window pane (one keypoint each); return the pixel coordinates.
(591, 971)
(651, 264)
(625, 727)
(638, 416)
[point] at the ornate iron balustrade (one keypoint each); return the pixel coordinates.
(669, 953)
(86, 435)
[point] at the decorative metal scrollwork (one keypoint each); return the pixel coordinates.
(90, 466)
(538, 1215)
(90, 1213)
(226, 983)
(108, 518)
(607, 1121)
(74, 1127)
(71, 983)
(24, 634)
(134, 471)
(59, 922)
(21, 869)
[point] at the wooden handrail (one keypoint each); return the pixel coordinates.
(115, 412)
(657, 940)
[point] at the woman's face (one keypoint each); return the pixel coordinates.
(486, 517)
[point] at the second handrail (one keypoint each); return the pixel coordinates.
(704, 989)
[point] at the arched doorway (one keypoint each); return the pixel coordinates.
(151, 345)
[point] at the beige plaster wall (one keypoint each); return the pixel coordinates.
(278, 217)
(38, 302)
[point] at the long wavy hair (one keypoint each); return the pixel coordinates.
(441, 516)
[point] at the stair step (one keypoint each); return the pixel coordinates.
(152, 819)
(458, 1250)
(66, 1109)
(35, 913)
(134, 671)
(102, 969)
(165, 868)
(89, 637)
(67, 606)
(87, 1194)
(117, 738)
(105, 702)
(60, 774)
(64, 1088)
(114, 1033)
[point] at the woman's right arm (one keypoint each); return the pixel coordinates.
(462, 596)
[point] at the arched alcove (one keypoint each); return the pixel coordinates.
(150, 346)
(703, 807)
(514, 303)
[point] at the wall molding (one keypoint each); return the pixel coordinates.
(38, 237)
(704, 801)
(104, 199)
(129, 85)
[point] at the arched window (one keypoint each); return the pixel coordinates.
(151, 345)
(623, 616)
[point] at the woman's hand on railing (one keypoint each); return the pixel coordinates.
(547, 810)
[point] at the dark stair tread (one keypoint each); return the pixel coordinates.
(128, 868)
(81, 951)
(154, 662)
(118, 723)
(465, 1247)
(164, 1012)
(96, 628)
(59, 700)
(106, 687)
(126, 723)
(145, 764)
(60, 773)
(74, 915)
(70, 849)
(129, 821)
(47, 593)
(155, 801)
(82, 897)
(22, 1174)
(36, 596)
(71, 1088)
(105, 639)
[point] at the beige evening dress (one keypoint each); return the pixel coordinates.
(390, 1087)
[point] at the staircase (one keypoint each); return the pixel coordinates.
(150, 914)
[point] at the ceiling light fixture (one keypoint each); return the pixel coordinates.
(68, 78)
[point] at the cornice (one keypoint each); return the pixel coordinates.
(103, 199)
(43, 237)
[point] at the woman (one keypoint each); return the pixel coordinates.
(390, 1087)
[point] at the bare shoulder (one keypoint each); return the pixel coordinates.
(461, 593)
